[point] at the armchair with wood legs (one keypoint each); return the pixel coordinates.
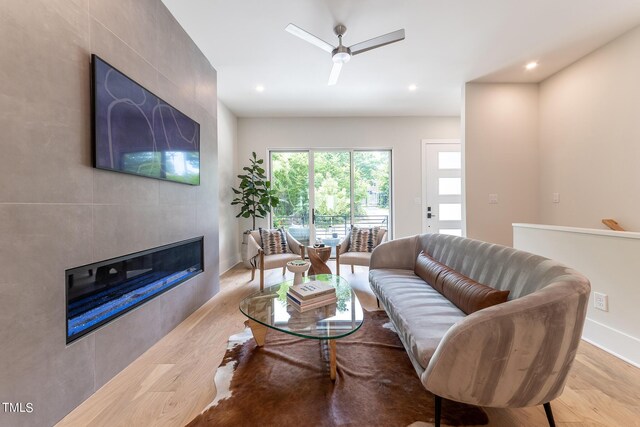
(267, 262)
(345, 256)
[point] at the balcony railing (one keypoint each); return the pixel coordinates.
(328, 227)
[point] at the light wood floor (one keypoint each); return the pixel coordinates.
(173, 381)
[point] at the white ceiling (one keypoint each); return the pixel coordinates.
(448, 43)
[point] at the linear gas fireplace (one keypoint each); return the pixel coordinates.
(100, 292)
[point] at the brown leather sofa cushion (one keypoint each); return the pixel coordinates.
(467, 294)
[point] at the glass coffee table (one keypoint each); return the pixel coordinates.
(268, 309)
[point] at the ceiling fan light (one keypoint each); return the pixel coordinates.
(341, 57)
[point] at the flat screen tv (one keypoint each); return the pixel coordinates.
(136, 132)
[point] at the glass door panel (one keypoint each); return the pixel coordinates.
(333, 203)
(372, 183)
(290, 178)
(332, 196)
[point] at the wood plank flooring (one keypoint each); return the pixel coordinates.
(173, 381)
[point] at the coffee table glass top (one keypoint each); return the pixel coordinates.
(270, 308)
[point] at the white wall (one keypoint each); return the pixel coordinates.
(609, 260)
(501, 157)
(589, 138)
(227, 169)
(402, 134)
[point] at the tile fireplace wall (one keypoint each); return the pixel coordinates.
(57, 212)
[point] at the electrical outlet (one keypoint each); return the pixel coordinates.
(493, 199)
(556, 197)
(601, 301)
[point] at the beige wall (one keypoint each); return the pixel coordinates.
(402, 134)
(501, 157)
(57, 212)
(230, 236)
(608, 258)
(590, 138)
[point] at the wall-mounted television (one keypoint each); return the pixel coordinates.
(136, 132)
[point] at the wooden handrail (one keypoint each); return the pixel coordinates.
(612, 224)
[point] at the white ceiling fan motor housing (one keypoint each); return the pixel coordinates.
(340, 54)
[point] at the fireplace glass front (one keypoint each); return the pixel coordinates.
(100, 292)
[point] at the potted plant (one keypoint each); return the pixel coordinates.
(255, 195)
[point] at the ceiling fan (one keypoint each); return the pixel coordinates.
(342, 54)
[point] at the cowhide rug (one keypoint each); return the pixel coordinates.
(286, 383)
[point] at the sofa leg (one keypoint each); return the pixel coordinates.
(284, 270)
(378, 302)
(547, 410)
(438, 411)
(253, 274)
(352, 269)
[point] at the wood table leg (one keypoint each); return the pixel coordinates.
(332, 359)
(258, 330)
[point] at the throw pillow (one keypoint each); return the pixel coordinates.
(274, 241)
(428, 269)
(467, 294)
(363, 239)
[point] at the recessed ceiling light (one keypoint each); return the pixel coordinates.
(413, 87)
(531, 65)
(259, 88)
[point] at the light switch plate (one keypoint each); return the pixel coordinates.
(601, 301)
(493, 199)
(556, 197)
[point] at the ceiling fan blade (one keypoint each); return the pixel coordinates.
(335, 73)
(379, 41)
(308, 37)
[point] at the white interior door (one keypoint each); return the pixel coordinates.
(442, 188)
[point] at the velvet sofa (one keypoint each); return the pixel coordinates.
(514, 354)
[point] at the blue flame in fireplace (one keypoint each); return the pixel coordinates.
(86, 312)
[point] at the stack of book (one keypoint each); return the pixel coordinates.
(310, 295)
(303, 320)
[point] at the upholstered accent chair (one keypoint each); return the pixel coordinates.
(267, 262)
(346, 256)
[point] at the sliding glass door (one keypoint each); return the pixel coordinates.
(290, 177)
(323, 192)
(372, 188)
(331, 211)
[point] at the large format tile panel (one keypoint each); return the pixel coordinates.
(57, 212)
(37, 243)
(44, 103)
(135, 22)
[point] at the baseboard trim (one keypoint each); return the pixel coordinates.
(229, 263)
(617, 343)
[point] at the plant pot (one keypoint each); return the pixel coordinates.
(244, 250)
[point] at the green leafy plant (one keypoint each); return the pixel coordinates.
(255, 195)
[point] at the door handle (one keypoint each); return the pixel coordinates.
(430, 215)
